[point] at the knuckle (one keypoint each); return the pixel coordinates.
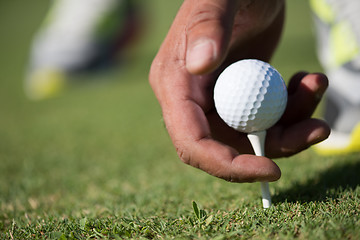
(289, 151)
(183, 155)
(185, 151)
(202, 15)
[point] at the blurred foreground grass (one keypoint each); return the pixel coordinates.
(97, 161)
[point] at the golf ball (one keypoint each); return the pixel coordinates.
(250, 95)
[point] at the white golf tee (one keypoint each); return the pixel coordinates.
(257, 140)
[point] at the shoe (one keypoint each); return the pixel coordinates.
(44, 83)
(344, 120)
(338, 37)
(78, 36)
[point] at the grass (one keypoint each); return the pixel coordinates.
(96, 162)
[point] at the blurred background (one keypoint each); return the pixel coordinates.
(102, 141)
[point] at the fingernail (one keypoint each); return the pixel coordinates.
(200, 54)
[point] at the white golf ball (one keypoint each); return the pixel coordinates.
(250, 95)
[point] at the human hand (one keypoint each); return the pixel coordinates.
(205, 37)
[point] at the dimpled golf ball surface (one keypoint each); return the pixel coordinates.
(250, 95)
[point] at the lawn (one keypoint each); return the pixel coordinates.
(96, 162)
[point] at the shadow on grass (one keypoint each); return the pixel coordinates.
(328, 184)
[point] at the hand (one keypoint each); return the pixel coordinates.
(205, 37)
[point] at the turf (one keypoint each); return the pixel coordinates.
(96, 162)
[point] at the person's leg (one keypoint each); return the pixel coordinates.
(338, 42)
(76, 36)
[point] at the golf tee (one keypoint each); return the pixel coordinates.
(265, 192)
(257, 140)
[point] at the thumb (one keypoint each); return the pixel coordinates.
(208, 32)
